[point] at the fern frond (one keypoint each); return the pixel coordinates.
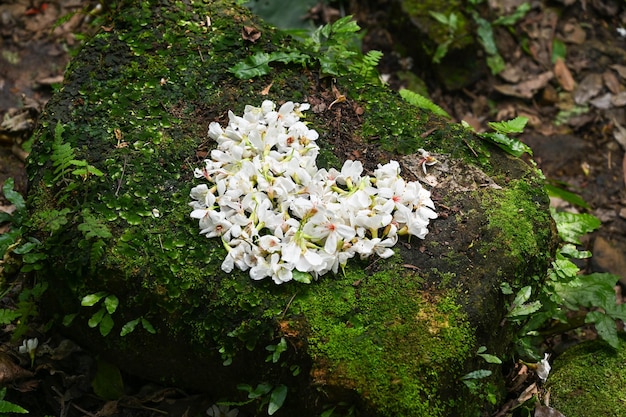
(422, 102)
(96, 253)
(62, 154)
(91, 227)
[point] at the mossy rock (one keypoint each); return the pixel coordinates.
(589, 380)
(389, 337)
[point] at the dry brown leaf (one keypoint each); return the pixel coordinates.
(266, 90)
(619, 99)
(250, 33)
(620, 69)
(611, 81)
(528, 88)
(588, 88)
(574, 33)
(563, 75)
(10, 371)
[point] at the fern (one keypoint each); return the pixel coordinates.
(91, 227)
(422, 102)
(64, 159)
(62, 154)
(96, 253)
(367, 66)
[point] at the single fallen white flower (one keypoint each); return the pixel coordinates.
(543, 368)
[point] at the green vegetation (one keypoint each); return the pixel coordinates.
(565, 289)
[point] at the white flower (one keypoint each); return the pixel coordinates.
(29, 346)
(543, 368)
(277, 213)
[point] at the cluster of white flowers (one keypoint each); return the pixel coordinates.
(280, 216)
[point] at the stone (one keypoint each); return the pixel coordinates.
(588, 380)
(120, 141)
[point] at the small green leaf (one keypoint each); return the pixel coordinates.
(92, 299)
(13, 196)
(303, 277)
(511, 19)
(559, 50)
(148, 326)
(111, 302)
(106, 325)
(515, 125)
(510, 145)
(277, 399)
(440, 17)
(7, 316)
(96, 318)
(260, 390)
(129, 327)
(490, 358)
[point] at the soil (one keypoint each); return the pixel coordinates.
(576, 108)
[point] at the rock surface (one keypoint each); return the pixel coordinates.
(391, 337)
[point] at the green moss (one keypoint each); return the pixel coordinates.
(388, 338)
(514, 214)
(588, 380)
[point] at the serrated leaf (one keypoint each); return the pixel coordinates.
(7, 316)
(277, 399)
(571, 226)
(91, 299)
(253, 66)
(507, 127)
(593, 290)
(605, 326)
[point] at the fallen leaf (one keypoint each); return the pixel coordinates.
(563, 75)
(611, 82)
(574, 33)
(266, 90)
(603, 102)
(250, 33)
(528, 88)
(10, 371)
(588, 88)
(619, 99)
(620, 69)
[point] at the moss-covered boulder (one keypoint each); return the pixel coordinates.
(111, 173)
(589, 380)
